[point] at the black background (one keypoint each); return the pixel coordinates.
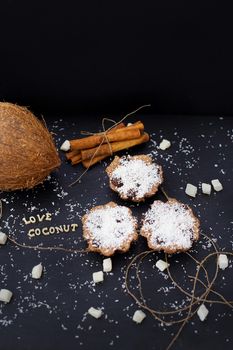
(83, 56)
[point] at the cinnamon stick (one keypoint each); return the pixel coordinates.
(116, 127)
(113, 128)
(71, 154)
(119, 134)
(76, 159)
(103, 151)
(138, 125)
(89, 163)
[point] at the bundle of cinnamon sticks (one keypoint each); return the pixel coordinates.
(92, 149)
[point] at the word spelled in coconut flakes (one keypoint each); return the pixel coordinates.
(47, 230)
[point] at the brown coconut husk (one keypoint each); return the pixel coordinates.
(27, 151)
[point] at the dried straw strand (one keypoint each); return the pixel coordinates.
(164, 193)
(104, 132)
(54, 248)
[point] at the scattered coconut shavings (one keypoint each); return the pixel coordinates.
(217, 185)
(191, 190)
(96, 313)
(136, 176)
(5, 295)
(98, 276)
(65, 146)
(37, 271)
(206, 188)
(169, 224)
(3, 238)
(223, 261)
(107, 265)
(161, 265)
(164, 144)
(139, 316)
(110, 227)
(202, 312)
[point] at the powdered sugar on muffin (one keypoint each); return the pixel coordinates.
(108, 228)
(134, 177)
(170, 226)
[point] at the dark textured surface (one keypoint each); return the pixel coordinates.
(49, 313)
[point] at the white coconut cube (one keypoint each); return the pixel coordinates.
(139, 316)
(164, 144)
(206, 188)
(98, 276)
(222, 261)
(5, 295)
(161, 265)
(217, 185)
(191, 190)
(65, 146)
(37, 271)
(96, 313)
(3, 238)
(107, 265)
(202, 312)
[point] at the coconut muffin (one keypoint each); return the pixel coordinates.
(171, 226)
(134, 178)
(109, 228)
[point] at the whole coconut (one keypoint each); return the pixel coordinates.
(27, 152)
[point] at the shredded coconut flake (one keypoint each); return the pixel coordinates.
(137, 177)
(110, 227)
(169, 225)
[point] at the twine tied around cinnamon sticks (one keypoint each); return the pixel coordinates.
(98, 146)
